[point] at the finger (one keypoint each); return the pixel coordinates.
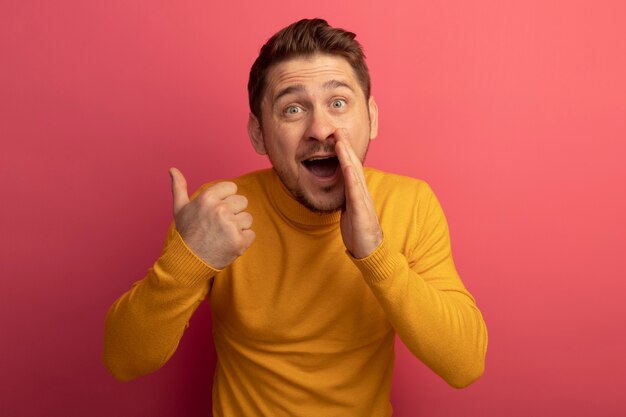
(357, 194)
(237, 203)
(244, 220)
(352, 158)
(341, 135)
(180, 197)
(342, 153)
(358, 170)
(349, 163)
(221, 190)
(353, 190)
(249, 237)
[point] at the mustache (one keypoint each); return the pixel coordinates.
(318, 147)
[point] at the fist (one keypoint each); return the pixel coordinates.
(214, 225)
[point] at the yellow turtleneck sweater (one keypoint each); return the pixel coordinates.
(301, 328)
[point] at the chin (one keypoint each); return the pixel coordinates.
(327, 202)
(324, 199)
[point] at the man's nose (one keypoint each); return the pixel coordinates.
(320, 126)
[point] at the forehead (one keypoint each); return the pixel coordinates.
(311, 72)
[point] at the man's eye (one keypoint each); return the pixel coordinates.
(338, 104)
(292, 110)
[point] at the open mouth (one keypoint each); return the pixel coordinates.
(324, 167)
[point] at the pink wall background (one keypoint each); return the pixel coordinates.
(514, 111)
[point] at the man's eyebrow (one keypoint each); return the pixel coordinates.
(288, 90)
(296, 88)
(329, 85)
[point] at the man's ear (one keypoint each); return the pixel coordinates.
(373, 108)
(256, 134)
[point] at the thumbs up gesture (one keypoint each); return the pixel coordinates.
(215, 225)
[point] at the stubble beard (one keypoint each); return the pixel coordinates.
(331, 207)
(298, 193)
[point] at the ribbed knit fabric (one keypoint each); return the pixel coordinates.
(301, 328)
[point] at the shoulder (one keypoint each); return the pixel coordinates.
(383, 185)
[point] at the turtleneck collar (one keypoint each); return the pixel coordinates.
(294, 211)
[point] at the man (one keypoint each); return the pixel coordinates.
(307, 299)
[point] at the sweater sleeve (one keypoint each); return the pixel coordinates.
(144, 326)
(426, 302)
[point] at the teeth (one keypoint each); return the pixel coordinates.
(320, 157)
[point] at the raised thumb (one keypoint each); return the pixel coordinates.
(179, 190)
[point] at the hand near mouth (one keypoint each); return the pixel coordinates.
(360, 228)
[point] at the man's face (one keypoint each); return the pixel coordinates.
(306, 100)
